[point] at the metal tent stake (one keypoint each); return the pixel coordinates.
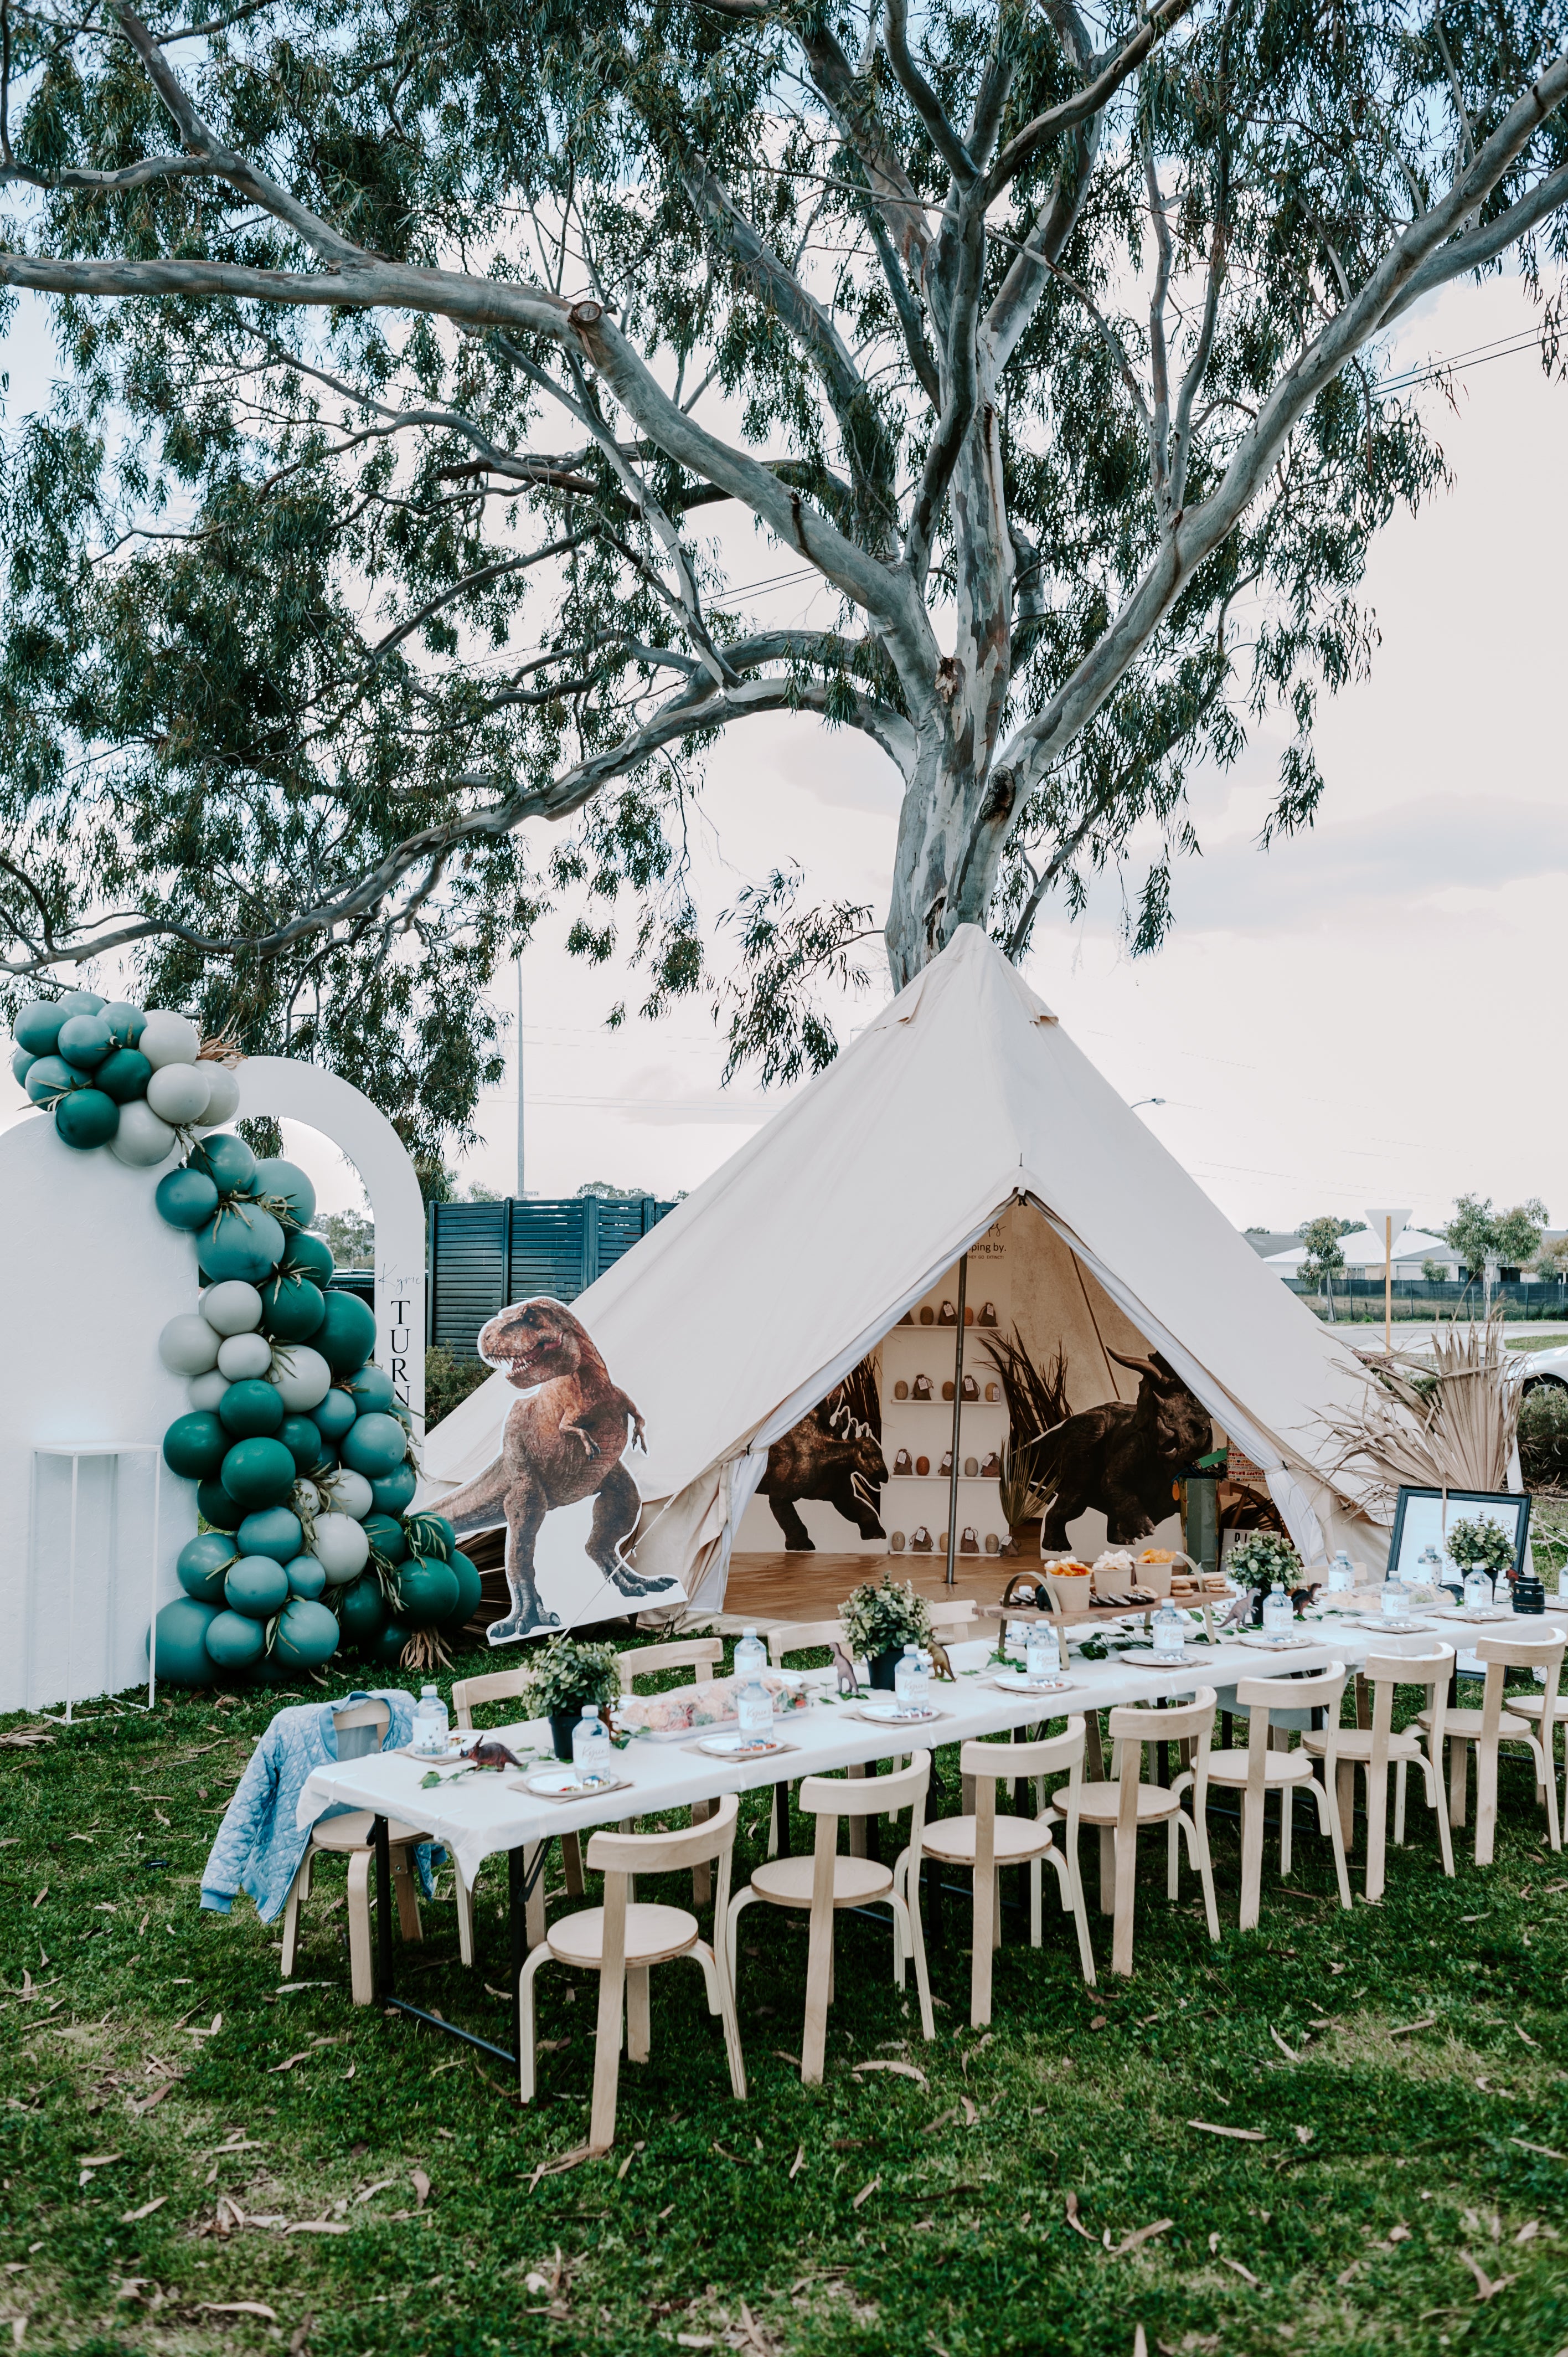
(957, 1417)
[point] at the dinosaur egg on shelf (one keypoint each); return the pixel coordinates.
(179, 1094)
(222, 1091)
(240, 1355)
(349, 1493)
(341, 1548)
(187, 1345)
(141, 1140)
(232, 1308)
(168, 1038)
(304, 1379)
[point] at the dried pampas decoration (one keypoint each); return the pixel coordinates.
(1446, 1421)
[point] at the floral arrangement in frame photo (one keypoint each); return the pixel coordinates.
(1480, 1545)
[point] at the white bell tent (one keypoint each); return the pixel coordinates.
(961, 1116)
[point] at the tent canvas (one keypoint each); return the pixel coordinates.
(963, 1097)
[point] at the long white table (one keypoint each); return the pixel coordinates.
(479, 1816)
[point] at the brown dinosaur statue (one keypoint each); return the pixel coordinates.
(561, 1443)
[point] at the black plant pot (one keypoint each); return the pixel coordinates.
(1528, 1595)
(562, 1723)
(882, 1666)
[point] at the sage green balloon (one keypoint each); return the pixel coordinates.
(87, 1118)
(234, 1640)
(176, 1643)
(37, 1028)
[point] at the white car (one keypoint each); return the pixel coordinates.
(1546, 1367)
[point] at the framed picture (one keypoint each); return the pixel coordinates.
(1424, 1517)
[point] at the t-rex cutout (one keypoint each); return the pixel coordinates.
(562, 1443)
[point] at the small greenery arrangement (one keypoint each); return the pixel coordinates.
(567, 1675)
(1261, 1558)
(1480, 1545)
(880, 1617)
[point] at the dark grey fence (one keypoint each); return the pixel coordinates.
(1360, 1299)
(479, 1257)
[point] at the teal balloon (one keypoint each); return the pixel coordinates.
(362, 1609)
(258, 1473)
(81, 1002)
(393, 1493)
(373, 1389)
(50, 1078)
(123, 1075)
(468, 1593)
(214, 1504)
(186, 1198)
(307, 1633)
(22, 1063)
(227, 1160)
(303, 1440)
(427, 1592)
(387, 1536)
(347, 1334)
(176, 1643)
(387, 1647)
(202, 1565)
(251, 1408)
(242, 1241)
(335, 1414)
(374, 1445)
(87, 1118)
(126, 1022)
(37, 1028)
(84, 1040)
(234, 1640)
(311, 1255)
(292, 1309)
(274, 1531)
(256, 1586)
(305, 1577)
(288, 1184)
(195, 1446)
(439, 1524)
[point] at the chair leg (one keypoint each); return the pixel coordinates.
(1072, 1904)
(1288, 1829)
(572, 1863)
(606, 2062)
(725, 1933)
(527, 2079)
(1346, 1798)
(464, 1899)
(1485, 1801)
(1126, 1888)
(1328, 1822)
(915, 1941)
(638, 2022)
(1173, 1862)
(1400, 1768)
(1108, 1870)
(1376, 1834)
(291, 1918)
(985, 1912)
(407, 1891)
(1035, 1882)
(721, 2000)
(362, 1980)
(533, 1906)
(702, 1876)
(818, 1996)
(1252, 1861)
(1458, 1774)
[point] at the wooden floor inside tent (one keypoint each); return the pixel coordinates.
(813, 1587)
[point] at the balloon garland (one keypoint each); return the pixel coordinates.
(302, 1456)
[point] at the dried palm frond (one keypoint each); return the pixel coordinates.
(1446, 1421)
(1037, 1404)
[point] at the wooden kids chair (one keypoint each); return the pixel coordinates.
(360, 1729)
(1126, 1804)
(1261, 1769)
(1503, 1720)
(1376, 1748)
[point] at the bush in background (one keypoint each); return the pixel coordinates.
(447, 1383)
(1543, 1438)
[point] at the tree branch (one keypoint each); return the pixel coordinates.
(924, 99)
(1025, 145)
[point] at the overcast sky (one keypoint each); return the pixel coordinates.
(1366, 1015)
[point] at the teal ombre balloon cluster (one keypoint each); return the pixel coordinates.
(130, 1078)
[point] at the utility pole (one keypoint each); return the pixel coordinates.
(520, 1096)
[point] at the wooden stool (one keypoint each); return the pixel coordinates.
(825, 1882)
(1376, 1748)
(622, 1942)
(985, 1843)
(1126, 1804)
(1494, 1724)
(348, 1834)
(1260, 1770)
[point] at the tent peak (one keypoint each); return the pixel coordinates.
(962, 963)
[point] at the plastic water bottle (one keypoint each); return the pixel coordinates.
(1169, 1634)
(1341, 1573)
(754, 1706)
(1278, 1615)
(1014, 1644)
(920, 1683)
(1042, 1655)
(1479, 1592)
(1395, 1598)
(906, 1678)
(430, 1724)
(591, 1746)
(750, 1658)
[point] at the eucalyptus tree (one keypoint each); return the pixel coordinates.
(413, 352)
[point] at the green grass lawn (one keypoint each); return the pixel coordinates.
(195, 2159)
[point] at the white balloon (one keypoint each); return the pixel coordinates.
(206, 1391)
(142, 1140)
(187, 1345)
(179, 1094)
(224, 1092)
(245, 1355)
(232, 1308)
(341, 1548)
(302, 1376)
(309, 1499)
(168, 1038)
(348, 1493)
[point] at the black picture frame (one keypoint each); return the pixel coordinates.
(1457, 1505)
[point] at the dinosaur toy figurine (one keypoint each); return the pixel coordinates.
(849, 1684)
(941, 1666)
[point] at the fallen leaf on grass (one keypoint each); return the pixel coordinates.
(1528, 2233)
(42, 1896)
(694, 2341)
(318, 2226)
(566, 2160)
(1245, 2273)
(1353, 2269)
(1142, 2235)
(1544, 2149)
(1288, 2052)
(1404, 2029)
(132, 2216)
(380, 2186)
(238, 2307)
(902, 2070)
(1485, 2286)
(1214, 2242)
(942, 2120)
(420, 2184)
(971, 2113)
(1399, 2233)
(1526, 2036)
(1074, 2221)
(1101, 2021)
(865, 2193)
(1304, 2135)
(778, 2054)
(798, 2163)
(1217, 2128)
(303, 2057)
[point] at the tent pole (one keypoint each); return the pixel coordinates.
(957, 1415)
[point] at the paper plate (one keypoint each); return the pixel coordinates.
(1012, 1681)
(741, 1747)
(1276, 1644)
(1400, 1628)
(888, 1713)
(565, 1784)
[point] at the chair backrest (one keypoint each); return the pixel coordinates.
(988, 1763)
(801, 1637)
(497, 1685)
(618, 1856)
(1141, 1724)
(1543, 1653)
(361, 1729)
(1324, 1692)
(701, 1655)
(828, 1798)
(1384, 1672)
